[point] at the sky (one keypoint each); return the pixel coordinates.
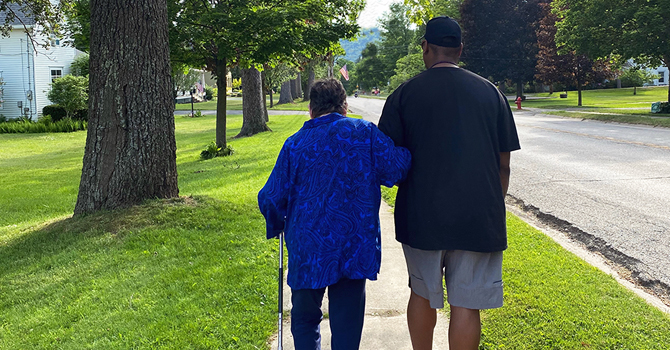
(374, 9)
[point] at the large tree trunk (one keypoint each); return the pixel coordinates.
(265, 93)
(285, 93)
(252, 103)
(130, 151)
(221, 101)
(310, 82)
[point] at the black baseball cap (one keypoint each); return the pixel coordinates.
(443, 31)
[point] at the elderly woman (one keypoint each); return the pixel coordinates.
(324, 194)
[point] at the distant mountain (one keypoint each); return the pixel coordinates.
(353, 49)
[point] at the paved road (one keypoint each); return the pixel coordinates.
(606, 184)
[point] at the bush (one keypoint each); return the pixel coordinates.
(213, 150)
(58, 113)
(70, 92)
(43, 126)
(55, 111)
(3, 118)
(210, 93)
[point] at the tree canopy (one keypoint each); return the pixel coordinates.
(635, 29)
(217, 34)
(501, 44)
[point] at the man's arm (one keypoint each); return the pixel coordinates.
(504, 171)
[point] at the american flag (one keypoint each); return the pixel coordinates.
(345, 72)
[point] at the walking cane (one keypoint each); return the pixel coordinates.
(281, 288)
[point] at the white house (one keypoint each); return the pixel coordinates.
(27, 70)
(664, 76)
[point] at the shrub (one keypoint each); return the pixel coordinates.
(210, 93)
(70, 92)
(213, 150)
(58, 113)
(28, 127)
(3, 118)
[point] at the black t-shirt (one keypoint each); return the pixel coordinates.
(455, 124)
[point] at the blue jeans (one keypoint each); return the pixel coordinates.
(346, 312)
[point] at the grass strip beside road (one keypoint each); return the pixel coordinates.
(555, 300)
(616, 118)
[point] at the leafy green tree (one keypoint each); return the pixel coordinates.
(218, 34)
(370, 70)
(636, 76)
(627, 28)
(396, 36)
(276, 76)
(501, 44)
(70, 92)
(406, 68)
(555, 65)
(78, 24)
(184, 79)
(79, 66)
(421, 11)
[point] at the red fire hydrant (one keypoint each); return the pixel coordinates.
(518, 102)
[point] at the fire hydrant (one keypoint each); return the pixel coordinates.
(518, 102)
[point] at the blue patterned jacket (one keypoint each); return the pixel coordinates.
(324, 194)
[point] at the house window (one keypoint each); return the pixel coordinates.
(662, 78)
(56, 73)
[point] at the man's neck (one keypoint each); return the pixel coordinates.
(445, 62)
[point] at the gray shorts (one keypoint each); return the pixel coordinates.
(474, 280)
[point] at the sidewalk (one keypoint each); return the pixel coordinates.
(385, 316)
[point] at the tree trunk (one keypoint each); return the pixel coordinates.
(579, 92)
(519, 89)
(285, 93)
(265, 93)
(271, 101)
(221, 101)
(299, 85)
(310, 82)
(130, 151)
(252, 103)
(551, 89)
(294, 89)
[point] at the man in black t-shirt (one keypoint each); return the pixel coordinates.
(450, 211)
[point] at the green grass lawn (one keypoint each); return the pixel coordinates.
(603, 99)
(235, 104)
(194, 273)
(197, 272)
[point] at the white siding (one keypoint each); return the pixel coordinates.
(58, 57)
(665, 76)
(23, 69)
(15, 58)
